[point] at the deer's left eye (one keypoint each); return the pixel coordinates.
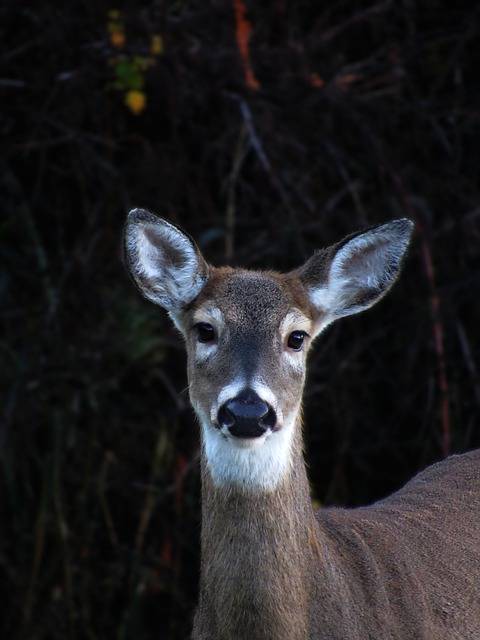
(296, 339)
(205, 332)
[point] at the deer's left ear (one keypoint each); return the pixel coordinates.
(165, 263)
(355, 273)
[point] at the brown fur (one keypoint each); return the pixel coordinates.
(256, 559)
(405, 568)
(253, 305)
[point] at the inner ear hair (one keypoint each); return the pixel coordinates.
(164, 262)
(355, 273)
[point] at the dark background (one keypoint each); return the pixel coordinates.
(333, 116)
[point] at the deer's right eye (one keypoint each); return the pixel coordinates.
(205, 332)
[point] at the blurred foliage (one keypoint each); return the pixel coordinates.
(266, 130)
(130, 69)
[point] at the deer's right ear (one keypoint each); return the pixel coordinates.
(163, 261)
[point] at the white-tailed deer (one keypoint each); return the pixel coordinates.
(405, 568)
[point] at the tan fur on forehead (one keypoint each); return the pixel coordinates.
(297, 320)
(251, 293)
(208, 312)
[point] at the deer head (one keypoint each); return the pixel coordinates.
(247, 334)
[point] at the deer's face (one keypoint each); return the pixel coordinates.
(247, 334)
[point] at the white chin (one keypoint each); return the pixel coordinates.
(249, 463)
(247, 443)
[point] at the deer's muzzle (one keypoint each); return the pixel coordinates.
(247, 415)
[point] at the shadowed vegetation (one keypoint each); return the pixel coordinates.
(266, 132)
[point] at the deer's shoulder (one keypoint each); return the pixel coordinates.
(434, 515)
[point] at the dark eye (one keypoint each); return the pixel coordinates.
(205, 332)
(295, 340)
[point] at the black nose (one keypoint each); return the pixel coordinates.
(246, 415)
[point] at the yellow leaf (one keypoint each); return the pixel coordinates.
(156, 46)
(136, 101)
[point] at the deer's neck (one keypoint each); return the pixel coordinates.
(257, 554)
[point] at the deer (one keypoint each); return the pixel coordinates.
(407, 567)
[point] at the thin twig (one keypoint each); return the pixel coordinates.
(469, 360)
(150, 498)
(239, 156)
(102, 482)
(266, 164)
(360, 16)
(437, 321)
